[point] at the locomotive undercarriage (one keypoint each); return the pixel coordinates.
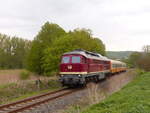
(81, 79)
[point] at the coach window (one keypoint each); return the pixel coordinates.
(76, 59)
(66, 59)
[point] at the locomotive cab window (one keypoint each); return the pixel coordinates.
(76, 59)
(66, 59)
(84, 60)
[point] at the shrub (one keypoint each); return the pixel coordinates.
(140, 71)
(24, 75)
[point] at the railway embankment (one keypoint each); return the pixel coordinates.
(132, 98)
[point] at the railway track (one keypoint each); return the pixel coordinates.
(35, 101)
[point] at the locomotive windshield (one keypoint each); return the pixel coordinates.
(76, 59)
(66, 59)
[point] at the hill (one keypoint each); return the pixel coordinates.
(118, 54)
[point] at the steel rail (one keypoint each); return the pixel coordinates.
(40, 102)
(2, 107)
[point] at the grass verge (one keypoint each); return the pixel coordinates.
(16, 91)
(133, 98)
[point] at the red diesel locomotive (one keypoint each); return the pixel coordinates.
(80, 66)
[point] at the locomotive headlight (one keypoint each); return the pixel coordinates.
(79, 75)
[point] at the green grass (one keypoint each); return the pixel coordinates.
(133, 98)
(13, 91)
(24, 75)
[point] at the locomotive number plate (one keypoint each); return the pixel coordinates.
(69, 66)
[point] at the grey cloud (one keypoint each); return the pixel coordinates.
(112, 20)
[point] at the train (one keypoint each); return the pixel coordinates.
(79, 67)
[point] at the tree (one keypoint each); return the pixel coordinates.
(43, 40)
(12, 51)
(146, 49)
(144, 62)
(134, 59)
(141, 59)
(52, 41)
(73, 40)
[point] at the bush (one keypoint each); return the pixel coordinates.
(24, 75)
(140, 71)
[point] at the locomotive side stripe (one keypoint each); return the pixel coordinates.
(100, 71)
(82, 72)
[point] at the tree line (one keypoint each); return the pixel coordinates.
(42, 55)
(140, 59)
(13, 51)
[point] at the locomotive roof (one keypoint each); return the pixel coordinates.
(88, 54)
(93, 55)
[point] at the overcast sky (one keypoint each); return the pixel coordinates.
(120, 24)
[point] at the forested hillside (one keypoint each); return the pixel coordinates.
(119, 54)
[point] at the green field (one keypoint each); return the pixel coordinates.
(133, 98)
